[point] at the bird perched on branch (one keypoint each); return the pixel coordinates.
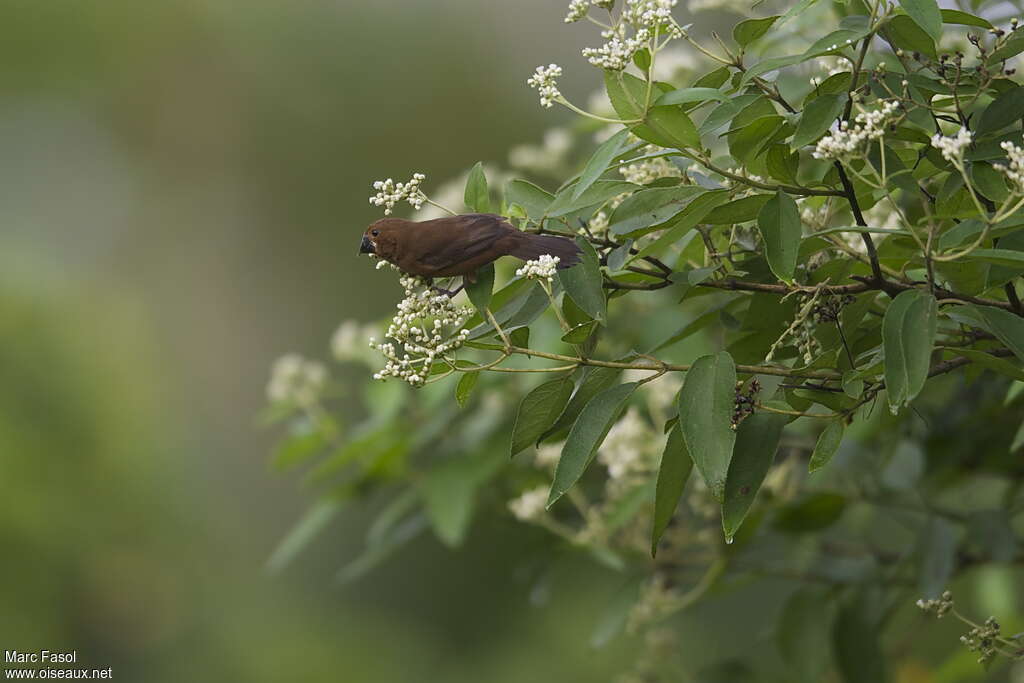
(459, 245)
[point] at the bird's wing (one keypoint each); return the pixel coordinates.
(461, 238)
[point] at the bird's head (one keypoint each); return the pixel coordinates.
(380, 237)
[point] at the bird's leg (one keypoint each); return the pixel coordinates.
(450, 293)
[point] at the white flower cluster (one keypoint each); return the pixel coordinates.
(390, 193)
(743, 174)
(649, 170)
(643, 17)
(349, 341)
(547, 455)
(618, 51)
(952, 147)
(530, 504)
(577, 10)
(425, 328)
(542, 268)
(651, 13)
(847, 141)
(598, 224)
(627, 448)
(293, 379)
(545, 80)
(1015, 171)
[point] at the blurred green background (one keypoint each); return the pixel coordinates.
(182, 186)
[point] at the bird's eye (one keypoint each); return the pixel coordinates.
(375, 232)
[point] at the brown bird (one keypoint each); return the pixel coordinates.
(459, 245)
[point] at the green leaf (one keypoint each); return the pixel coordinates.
(902, 32)
(598, 193)
(757, 439)
(583, 283)
(817, 117)
(952, 16)
(669, 127)
(908, 335)
(465, 387)
(600, 161)
(586, 436)
(476, 196)
(448, 494)
(479, 292)
(705, 414)
(673, 473)
(747, 139)
(613, 620)
(527, 195)
(925, 14)
(738, 211)
(782, 164)
(779, 223)
(397, 537)
(618, 85)
(749, 30)
(691, 95)
(994, 363)
(538, 411)
(649, 208)
(1007, 327)
(803, 634)
(1003, 111)
(855, 639)
(580, 333)
(595, 380)
(302, 534)
(827, 445)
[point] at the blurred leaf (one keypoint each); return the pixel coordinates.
(757, 439)
(817, 117)
(538, 411)
(302, 534)
(586, 436)
(993, 532)
(600, 161)
(583, 283)
(706, 405)
(465, 387)
(1007, 327)
(398, 536)
(904, 468)
(855, 638)
(749, 30)
(908, 335)
(814, 512)
(304, 442)
(673, 474)
(925, 14)
(479, 292)
(802, 634)
(780, 226)
(827, 445)
(938, 556)
(616, 614)
(394, 512)
(448, 492)
(476, 195)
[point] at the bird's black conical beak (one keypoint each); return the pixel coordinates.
(366, 246)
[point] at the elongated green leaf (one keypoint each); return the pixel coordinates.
(302, 534)
(738, 211)
(908, 335)
(817, 118)
(691, 95)
(388, 545)
(586, 436)
(952, 16)
(583, 283)
(746, 142)
(827, 445)
(538, 411)
(903, 33)
(594, 382)
(448, 493)
(649, 208)
(673, 473)
(925, 14)
(779, 223)
(669, 127)
(579, 334)
(479, 292)
(476, 195)
(1004, 110)
(749, 30)
(757, 439)
(465, 387)
(527, 195)
(599, 192)
(994, 363)
(1007, 327)
(600, 161)
(705, 415)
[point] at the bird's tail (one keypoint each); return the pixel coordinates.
(532, 247)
